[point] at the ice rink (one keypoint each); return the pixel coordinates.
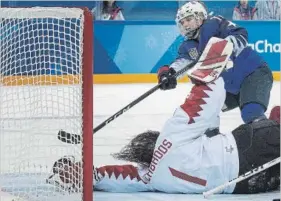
(150, 113)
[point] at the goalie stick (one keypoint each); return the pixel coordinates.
(242, 177)
(76, 139)
(210, 64)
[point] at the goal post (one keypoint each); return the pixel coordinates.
(46, 84)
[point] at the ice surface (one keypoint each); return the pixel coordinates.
(150, 113)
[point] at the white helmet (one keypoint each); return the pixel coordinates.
(191, 9)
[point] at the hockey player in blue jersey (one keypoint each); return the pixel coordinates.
(248, 83)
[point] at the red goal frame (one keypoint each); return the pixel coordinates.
(87, 105)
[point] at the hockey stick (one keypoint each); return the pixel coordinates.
(242, 177)
(76, 139)
(214, 45)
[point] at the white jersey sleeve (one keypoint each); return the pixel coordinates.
(200, 111)
(120, 178)
(187, 53)
(179, 64)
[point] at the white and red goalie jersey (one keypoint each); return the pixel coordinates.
(185, 159)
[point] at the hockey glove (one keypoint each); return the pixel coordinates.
(166, 73)
(66, 174)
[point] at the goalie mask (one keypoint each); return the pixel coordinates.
(189, 19)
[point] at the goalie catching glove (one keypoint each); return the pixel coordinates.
(66, 174)
(165, 76)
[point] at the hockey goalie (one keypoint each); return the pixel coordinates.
(190, 154)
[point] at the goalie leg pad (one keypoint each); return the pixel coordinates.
(258, 143)
(243, 136)
(212, 61)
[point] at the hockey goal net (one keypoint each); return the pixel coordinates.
(45, 85)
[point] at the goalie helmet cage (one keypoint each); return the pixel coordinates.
(46, 84)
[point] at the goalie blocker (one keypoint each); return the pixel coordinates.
(208, 157)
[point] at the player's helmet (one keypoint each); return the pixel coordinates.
(193, 10)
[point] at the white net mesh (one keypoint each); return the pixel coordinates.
(40, 93)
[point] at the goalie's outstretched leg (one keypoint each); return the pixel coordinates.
(258, 143)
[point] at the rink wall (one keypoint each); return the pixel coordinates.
(132, 51)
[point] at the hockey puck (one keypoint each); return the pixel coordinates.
(276, 200)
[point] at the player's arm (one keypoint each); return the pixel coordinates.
(237, 35)
(119, 178)
(183, 59)
(112, 178)
(218, 26)
(213, 60)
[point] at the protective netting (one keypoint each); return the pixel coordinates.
(40, 93)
